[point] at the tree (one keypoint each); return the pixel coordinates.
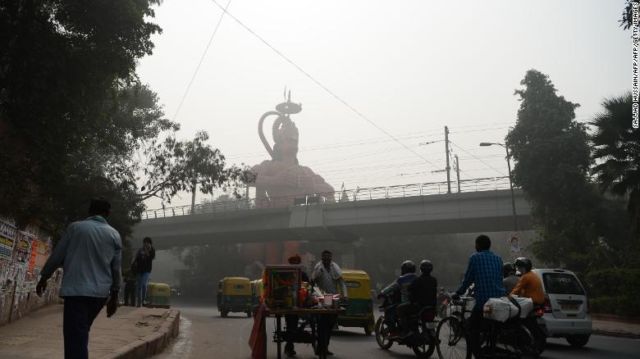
(176, 166)
(65, 68)
(627, 15)
(617, 154)
(552, 159)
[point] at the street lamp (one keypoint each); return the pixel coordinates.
(513, 200)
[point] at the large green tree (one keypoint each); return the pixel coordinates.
(64, 65)
(617, 154)
(552, 159)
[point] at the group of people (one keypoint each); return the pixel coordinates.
(493, 279)
(90, 252)
(326, 276)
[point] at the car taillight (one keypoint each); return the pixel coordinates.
(547, 305)
(540, 312)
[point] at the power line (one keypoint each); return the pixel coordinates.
(472, 155)
(204, 53)
(353, 109)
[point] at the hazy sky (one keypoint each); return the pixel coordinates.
(411, 67)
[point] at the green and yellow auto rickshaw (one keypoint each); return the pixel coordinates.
(359, 311)
(234, 295)
(158, 295)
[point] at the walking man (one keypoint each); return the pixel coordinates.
(90, 252)
(142, 266)
(327, 275)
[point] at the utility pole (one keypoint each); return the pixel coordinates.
(457, 167)
(448, 168)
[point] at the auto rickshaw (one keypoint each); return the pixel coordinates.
(158, 295)
(359, 311)
(234, 295)
(257, 291)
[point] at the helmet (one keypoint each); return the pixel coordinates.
(407, 267)
(524, 263)
(426, 267)
(508, 269)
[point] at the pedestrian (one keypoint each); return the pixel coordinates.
(510, 278)
(485, 272)
(327, 276)
(142, 266)
(90, 252)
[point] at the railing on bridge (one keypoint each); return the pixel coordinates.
(358, 194)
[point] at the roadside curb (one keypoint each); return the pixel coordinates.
(153, 343)
(616, 334)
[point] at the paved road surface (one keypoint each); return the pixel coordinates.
(203, 334)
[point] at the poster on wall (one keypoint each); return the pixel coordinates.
(7, 240)
(22, 251)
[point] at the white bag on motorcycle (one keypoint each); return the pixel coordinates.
(499, 309)
(526, 305)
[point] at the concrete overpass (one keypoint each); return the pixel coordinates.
(482, 211)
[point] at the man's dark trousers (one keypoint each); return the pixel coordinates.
(325, 326)
(79, 314)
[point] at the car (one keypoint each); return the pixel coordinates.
(566, 309)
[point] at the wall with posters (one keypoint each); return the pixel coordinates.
(22, 256)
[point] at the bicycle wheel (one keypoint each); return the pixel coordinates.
(452, 339)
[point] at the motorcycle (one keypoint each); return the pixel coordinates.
(515, 338)
(422, 337)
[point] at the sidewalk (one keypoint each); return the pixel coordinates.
(608, 325)
(130, 331)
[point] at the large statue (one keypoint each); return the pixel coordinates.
(282, 179)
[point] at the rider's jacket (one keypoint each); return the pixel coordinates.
(530, 286)
(424, 290)
(401, 285)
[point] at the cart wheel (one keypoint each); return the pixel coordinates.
(224, 313)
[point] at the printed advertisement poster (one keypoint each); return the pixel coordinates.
(7, 240)
(22, 251)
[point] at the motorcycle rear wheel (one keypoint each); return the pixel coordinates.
(425, 350)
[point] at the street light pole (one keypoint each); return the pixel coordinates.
(513, 198)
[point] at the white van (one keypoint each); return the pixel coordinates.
(566, 311)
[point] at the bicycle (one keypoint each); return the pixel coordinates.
(452, 331)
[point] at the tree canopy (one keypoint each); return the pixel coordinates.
(617, 153)
(552, 159)
(76, 123)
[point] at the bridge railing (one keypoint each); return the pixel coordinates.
(358, 194)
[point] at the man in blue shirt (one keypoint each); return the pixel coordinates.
(485, 272)
(90, 253)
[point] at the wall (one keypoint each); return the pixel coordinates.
(22, 255)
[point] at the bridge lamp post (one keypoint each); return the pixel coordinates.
(513, 200)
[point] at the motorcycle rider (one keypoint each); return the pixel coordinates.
(423, 290)
(510, 278)
(399, 289)
(485, 272)
(529, 285)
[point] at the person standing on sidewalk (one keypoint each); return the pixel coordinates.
(90, 253)
(142, 265)
(327, 275)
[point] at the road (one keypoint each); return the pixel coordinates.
(203, 334)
